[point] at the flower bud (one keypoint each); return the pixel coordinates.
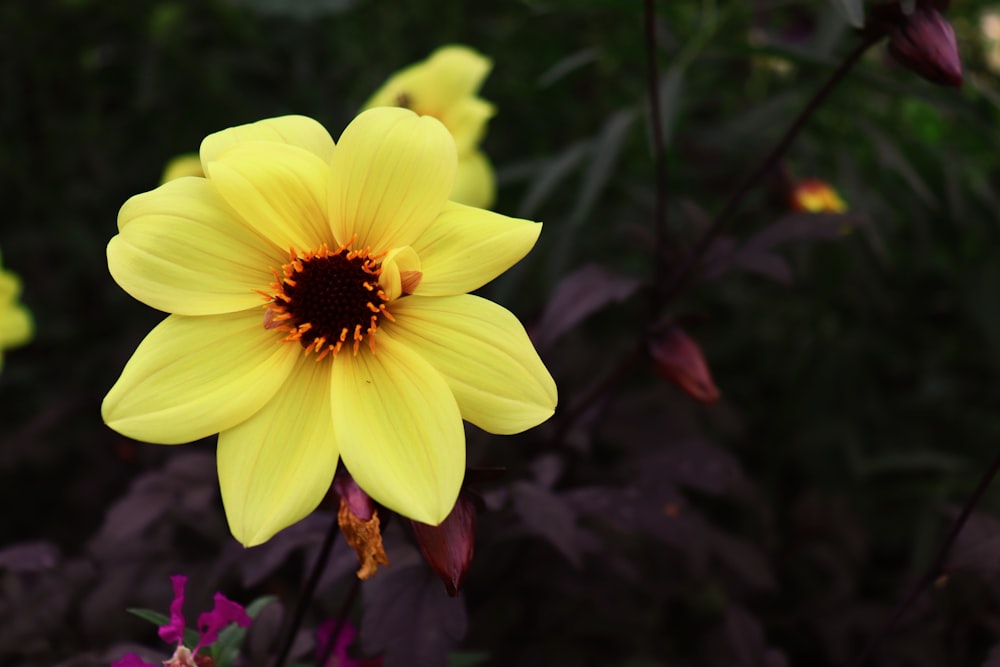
(924, 42)
(677, 357)
(359, 524)
(448, 548)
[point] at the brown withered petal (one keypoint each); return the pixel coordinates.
(924, 42)
(449, 547)
(677, 357)
(365, 537)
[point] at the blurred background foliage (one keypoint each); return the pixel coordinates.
(778, 526)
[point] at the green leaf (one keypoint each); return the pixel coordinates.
(226, 649)
(468, 658)
(156, 618)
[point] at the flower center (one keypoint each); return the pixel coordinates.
(327, 298)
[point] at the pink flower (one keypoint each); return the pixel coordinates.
(338, 656)
(210, 624)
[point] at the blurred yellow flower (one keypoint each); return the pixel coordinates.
(367, 348)
(816, 196)
(989, 30)
(15, 321)
(445, 86)
(188, 164)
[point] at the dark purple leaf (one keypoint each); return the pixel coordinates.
(407, 616)
(29, 557)
(740, 642)
(993, 659)
(550, 517)
(743, 558)
(579, 295)
(977, 547)
(804, 227)
(763, 263)
(695, 463)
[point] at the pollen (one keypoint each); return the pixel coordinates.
(327, 299)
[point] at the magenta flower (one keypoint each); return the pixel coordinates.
(210, 624)
(338, 655)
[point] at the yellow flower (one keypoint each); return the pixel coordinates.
(367, 347)
(15, 320)
(188, 164)
(445, 86)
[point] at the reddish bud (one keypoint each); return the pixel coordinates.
(677, 357)
(359, 524)
(359, 502)
(924, 42)
(448, 548)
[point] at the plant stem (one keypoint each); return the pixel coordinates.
(936, 569)
(653, 80)
(345, 609)
(322, 558)
(686, 269)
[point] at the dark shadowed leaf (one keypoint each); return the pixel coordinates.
(29, 557)
(299, 9)
(743, 558)
(977, 547)
(993, 659)
(695, 463)
(853, 11)
(550, 175)
(550, 517)
(263, 634)
(805, 227)
(740, 642)
(567, 65)
(407, 616)
(670, 88)
(579, 295)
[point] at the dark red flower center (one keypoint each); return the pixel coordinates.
(328, 298)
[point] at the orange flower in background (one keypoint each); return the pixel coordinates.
(816, 196)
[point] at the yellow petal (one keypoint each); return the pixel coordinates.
(183, 165)
(15, 325)
(182, 249)
(475, 184)
(298, 131)
(443, 86)
(465, 248)
(275, 467)
(399, 430)
(278, 189)
(391, 173)
(400, 272)
(466, 121)
(195, 376)
(483, 353)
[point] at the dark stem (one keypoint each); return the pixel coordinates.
(653, 80)
(322, 558)
(598, 390)
(686, 270)
(345, 609)
(936, 569)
